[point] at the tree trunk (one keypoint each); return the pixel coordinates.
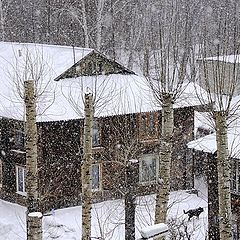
(130, 198)
(85, 24)
(165, 160)
(100, 6)
(224, 177)
(86, 169)
(34, 222)
(212, 178)
(2, 21)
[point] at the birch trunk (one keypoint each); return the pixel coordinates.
(100, 6)
(34, 222)
(165, 160)
(86, 169)
(224, 177)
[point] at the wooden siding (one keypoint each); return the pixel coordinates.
(94, 64)
(60, 154)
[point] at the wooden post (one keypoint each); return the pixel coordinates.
(34, 222)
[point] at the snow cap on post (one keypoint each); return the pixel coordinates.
(154, 230)
(35, 214)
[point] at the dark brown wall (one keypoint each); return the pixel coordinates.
(60, 162)
(10, 159)
(121, 139)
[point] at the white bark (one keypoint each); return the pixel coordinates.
(165, 159)
(85, 24)
(224, 177)
(86, 169)
(100, 7)
(34, 225)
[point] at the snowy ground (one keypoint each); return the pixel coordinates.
(108, 218)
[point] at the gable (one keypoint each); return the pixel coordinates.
(94, 64)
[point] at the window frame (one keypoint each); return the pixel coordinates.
(23, 193)
(148, 126)
(96, 132)
(100, 177)
(19, 138)
(144, 158)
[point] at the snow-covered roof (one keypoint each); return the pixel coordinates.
(208, 143)
(55, 58)
(202, 120)
(62, 100)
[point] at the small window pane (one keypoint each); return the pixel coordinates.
(19, 138)
(148, 168)
(1, 173)
(151, 123)
(21, 179)
(95, 140)
(95, 176)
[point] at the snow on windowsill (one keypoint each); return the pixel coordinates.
(147, 183)
(24, 194)
(97, 147)
(17, 151)
(96, 190)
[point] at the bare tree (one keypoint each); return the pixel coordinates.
(28, 95)
(166, 74)
(86, 168)
(93, 102)
(219, 77)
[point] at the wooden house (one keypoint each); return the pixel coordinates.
(204, 157)
(219, 74)
(127, 125)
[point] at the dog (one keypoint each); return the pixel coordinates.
(193, 212)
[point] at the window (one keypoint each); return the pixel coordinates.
(19, 138)
(148, 127)
(144, 123)
(1, 173)
(95, 139)
(148, 168)
(151, 123)
(20, 180)
(96, 177)
(235, 181)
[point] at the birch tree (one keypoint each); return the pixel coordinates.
(34, 217)
(166, 74)
(26, 95)
(219, 76)
(86, 168)
(93, 104)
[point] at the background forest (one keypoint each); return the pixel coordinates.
(119, 28)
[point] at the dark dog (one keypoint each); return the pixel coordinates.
(193, 212)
